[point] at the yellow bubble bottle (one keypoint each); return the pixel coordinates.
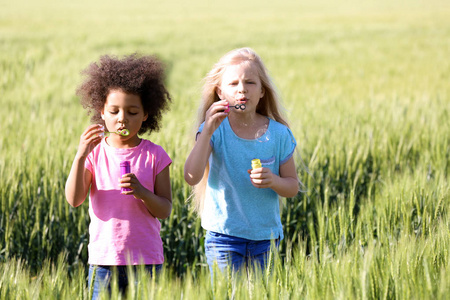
(256, 163)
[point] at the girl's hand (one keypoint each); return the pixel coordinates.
(159, 202)
(215, 115)
(261, 178)
(285, 185)
(90, 138)
(130, 181)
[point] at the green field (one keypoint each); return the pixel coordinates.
(365, 86)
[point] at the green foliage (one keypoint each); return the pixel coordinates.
(365, 87)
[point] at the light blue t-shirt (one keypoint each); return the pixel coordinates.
(232, 205)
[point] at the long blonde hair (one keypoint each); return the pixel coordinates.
(269, 105)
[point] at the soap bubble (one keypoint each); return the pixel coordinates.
(262, 135)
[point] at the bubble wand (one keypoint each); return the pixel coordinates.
(123, 132)
(237, 106)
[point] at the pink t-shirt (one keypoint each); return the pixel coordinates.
(122, 231)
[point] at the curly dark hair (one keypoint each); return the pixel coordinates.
(139, 75)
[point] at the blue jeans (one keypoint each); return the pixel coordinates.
(240, 253)
(103, 275)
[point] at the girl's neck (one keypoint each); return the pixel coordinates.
(243, 118)
(248, 126)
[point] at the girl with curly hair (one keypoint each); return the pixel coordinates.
(125, 97)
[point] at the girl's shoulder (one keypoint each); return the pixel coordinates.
(150, 146)
(274, 125)
(155, 152)
(281, 131)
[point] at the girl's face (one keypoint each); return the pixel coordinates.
(123, 111)
(241, 85)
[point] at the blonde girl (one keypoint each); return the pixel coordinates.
(239, 121)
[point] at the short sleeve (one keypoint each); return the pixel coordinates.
(200, 129)
(163, 160)
(287, 146)
(88, 163)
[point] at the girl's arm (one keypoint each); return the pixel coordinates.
(195, 165)
(159, 203)
(285, 185)
(197, 160)
(79, 180)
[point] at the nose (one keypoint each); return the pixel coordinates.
(121, 118)
(241, 87)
